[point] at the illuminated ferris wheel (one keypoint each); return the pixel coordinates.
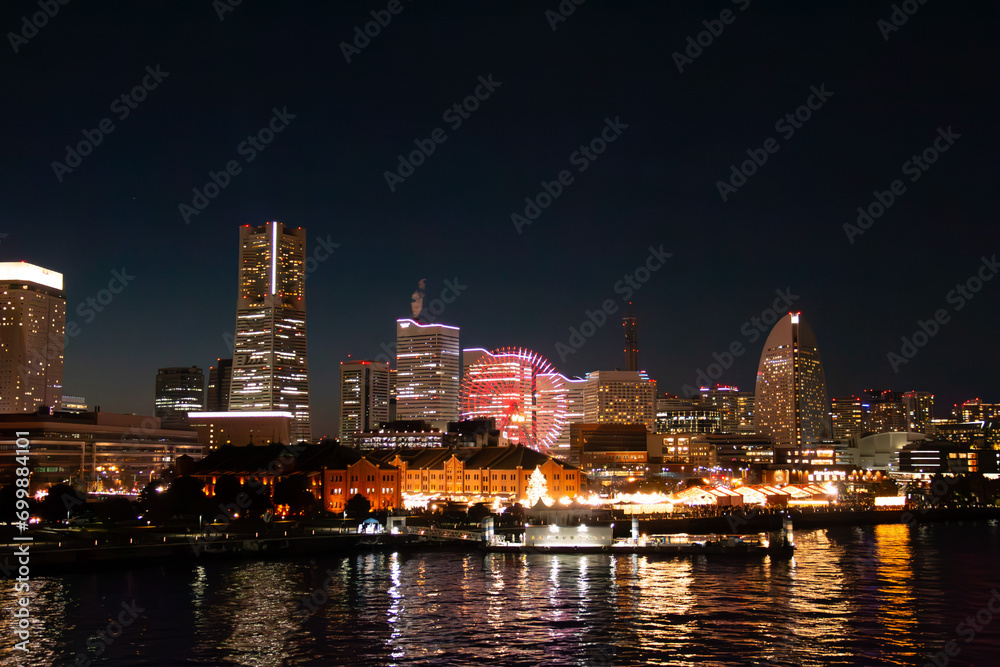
(522, 391)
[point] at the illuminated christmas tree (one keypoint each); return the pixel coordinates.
(537, 487)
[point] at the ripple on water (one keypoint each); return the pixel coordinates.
(884, 595)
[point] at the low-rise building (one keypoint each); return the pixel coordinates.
(606, 451)
(333, 473)
(880, 451)
(680, 454)
(101, 451)
(484, 471)
(929, 457)
(738, 452)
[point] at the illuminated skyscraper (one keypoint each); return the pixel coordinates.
(428, 365)
(179, 390)
(270, 369)
(885, 412)
(32, 334)
(975, 410)
(919, 406)
(620, 397)
(790, 405)
(735, 407)
(364, 397)
(848, 416)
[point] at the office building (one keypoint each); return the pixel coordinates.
(884, 411)
(620, 397)
(923, 459)
(405, 433)
(220, 378)
(681, 453)
(790, 404)
(364, 397)
(976, 411)
(428, 364)
(392, 394)
(270, 368)
(919, 409)
(99, 451)
(735, 408)
(32, 335)
(677, 415)
(847, 414)
(179, 390)
(736, 453)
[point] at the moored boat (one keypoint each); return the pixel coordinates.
(598, 539)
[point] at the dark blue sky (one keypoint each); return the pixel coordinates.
(655, 184)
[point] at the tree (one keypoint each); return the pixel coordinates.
(358, 506)
(62, 502)
(537, 487)
(185, 496)
(151, 502)
(886, 487)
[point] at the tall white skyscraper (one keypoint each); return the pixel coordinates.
(364, 397)
(428, 365)
(270, 369)
(32, 335)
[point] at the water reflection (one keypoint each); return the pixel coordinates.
(883, 595)
(249, 615)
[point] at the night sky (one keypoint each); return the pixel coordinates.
(551, 92)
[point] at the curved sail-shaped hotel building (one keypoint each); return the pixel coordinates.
(790, 405)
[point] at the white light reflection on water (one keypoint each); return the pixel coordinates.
(495, 602)
(887, 595)
(395, 607)
(48, 604)
(254, 620)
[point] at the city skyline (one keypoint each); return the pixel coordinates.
(623, 332)
(702, 271)
(418, 308)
